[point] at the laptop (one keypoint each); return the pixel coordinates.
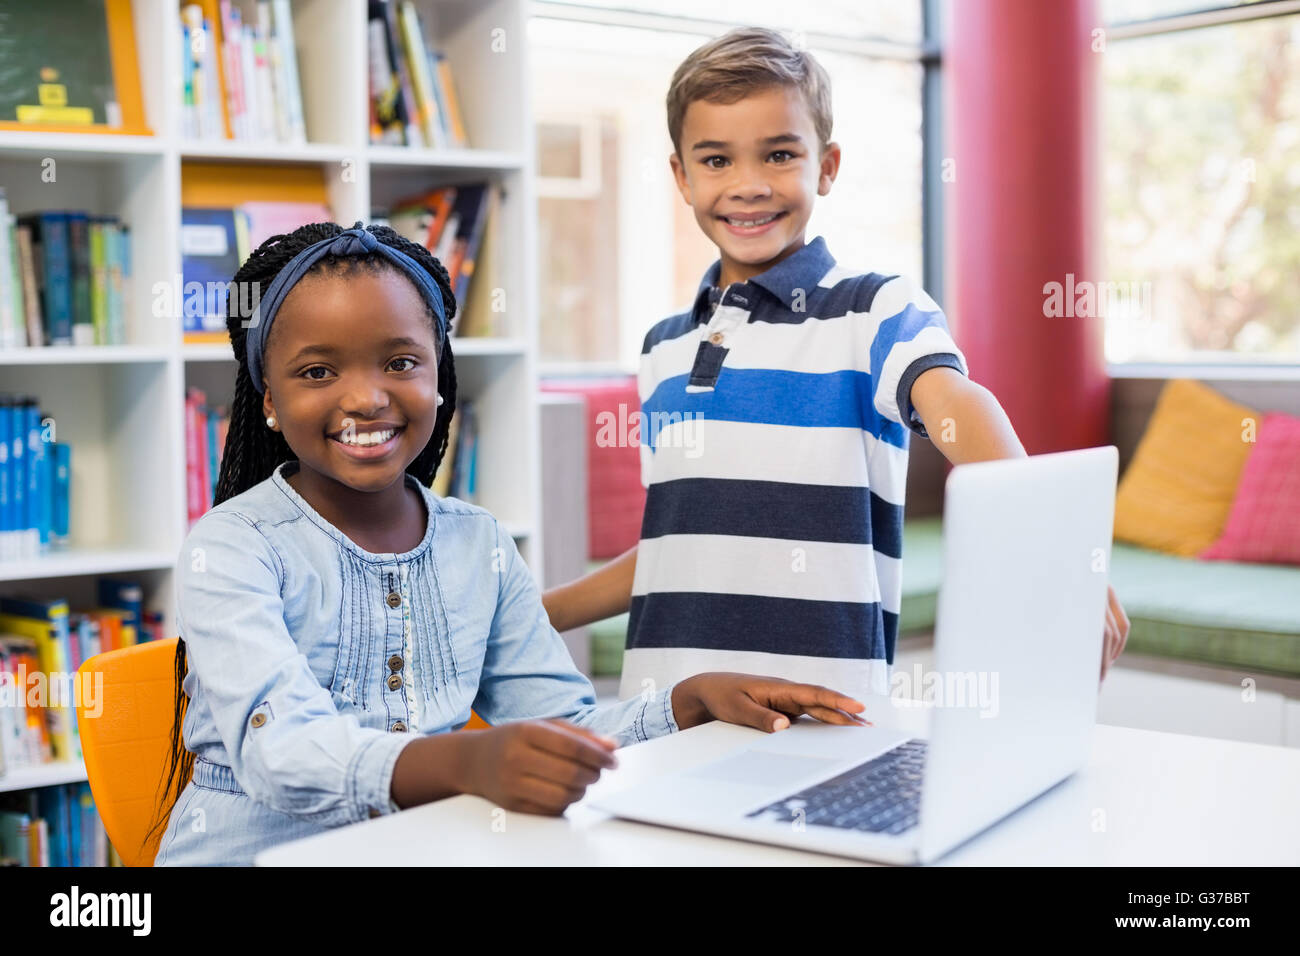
(1012, 696)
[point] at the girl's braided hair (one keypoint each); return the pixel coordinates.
(253, 451)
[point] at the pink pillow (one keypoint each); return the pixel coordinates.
(1264, 523)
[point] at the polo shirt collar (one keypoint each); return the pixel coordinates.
(800, 270)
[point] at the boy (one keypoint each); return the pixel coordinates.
(776, 411)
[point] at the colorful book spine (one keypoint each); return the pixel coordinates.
(50, 239)
(17, 432)
(31, 290)
(127, 596)
(447, 84)
(8, 515)
(53, 661)
(99, 281)
(36, 516)
(193, 493)
(83, 322)
(9, 324)
(60, 492)
(295, 123)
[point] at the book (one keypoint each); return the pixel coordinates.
(459, 137)
(387, 109)
(70, 66)
(214, 243)
(49, 232)
(267, 219)
(31, 293)
(126, 596)
(9, 324)
(83, 328)
(409, 110)
(417, 60)
(51, 651)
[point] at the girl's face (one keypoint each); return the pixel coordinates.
(353, 358)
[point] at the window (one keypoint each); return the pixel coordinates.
(614, 262)
(1201, 185)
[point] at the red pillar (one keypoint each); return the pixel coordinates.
(1020, 95)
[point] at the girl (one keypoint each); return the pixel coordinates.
(336, 617)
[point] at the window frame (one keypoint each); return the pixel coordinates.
(1206, 365)
(926, 52)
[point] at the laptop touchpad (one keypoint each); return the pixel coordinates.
(760, 767)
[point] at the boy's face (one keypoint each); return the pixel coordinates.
(750, 170)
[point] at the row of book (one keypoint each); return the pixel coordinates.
(215, 241)
(240, 79)
(54, 826)
(453, 223)
(35, 477)
(206, 426)
(413, 98)
(64, 278)
(457, 476)
(42, 645)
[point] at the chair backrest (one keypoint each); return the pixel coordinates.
(128, 745)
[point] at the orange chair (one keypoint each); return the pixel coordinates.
(128, 746)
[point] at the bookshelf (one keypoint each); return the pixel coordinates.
(121, 407)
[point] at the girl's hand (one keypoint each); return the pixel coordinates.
(536, 766)
(767, 703)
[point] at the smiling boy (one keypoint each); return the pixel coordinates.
(776, 548)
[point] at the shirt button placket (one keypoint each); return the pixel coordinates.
(393, 664)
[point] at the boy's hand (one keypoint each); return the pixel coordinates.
(768, 703)
(1116, 632)
(536, 766)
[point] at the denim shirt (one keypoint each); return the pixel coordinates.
(313, 662)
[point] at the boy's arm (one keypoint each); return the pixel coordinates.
(963, 418)
(603, 593)
(966, 423)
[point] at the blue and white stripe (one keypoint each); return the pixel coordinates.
(774, 452)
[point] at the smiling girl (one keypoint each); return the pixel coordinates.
(337, 618)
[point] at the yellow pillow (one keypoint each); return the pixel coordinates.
(1178, 490)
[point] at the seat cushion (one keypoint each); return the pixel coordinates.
(1219, 612)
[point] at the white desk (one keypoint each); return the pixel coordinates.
(1145, 798)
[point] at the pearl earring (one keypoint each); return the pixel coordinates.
(439, 399)
(270, 421)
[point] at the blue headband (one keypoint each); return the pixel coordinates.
(351, 242)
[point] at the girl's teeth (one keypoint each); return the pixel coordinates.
(374, 438)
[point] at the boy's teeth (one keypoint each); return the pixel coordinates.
(750, 222)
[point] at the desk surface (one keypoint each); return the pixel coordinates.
(1144, 798)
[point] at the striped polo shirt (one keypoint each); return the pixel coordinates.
(775, 418)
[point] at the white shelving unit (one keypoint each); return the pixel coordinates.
(121, 408)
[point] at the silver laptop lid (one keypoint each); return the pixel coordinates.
(1018, 635)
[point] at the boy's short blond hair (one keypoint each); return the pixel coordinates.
(743, 61)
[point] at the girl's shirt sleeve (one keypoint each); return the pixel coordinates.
(289, 746)
(529, 673)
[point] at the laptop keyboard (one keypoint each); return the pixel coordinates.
(882, 795)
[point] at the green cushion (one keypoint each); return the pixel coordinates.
(607, 640)
(922, 571)
(1221, 612)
